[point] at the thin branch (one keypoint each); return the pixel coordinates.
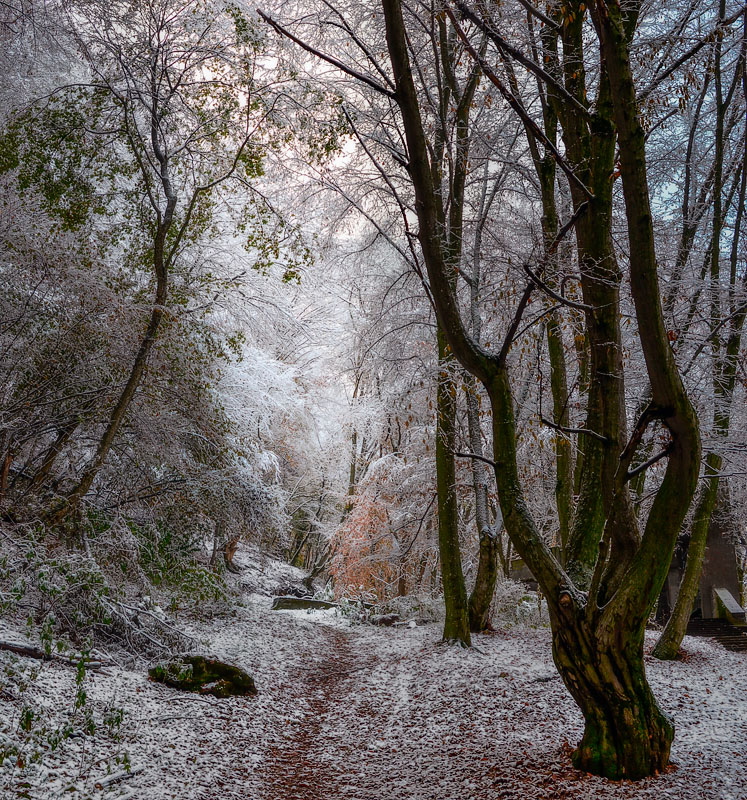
(344, 25)
(519, 108)
(524, 302)
(474, 456)
(568, 225)
(564, 429)
(739, 310)
(517, 55)
(537, 13)
(511, 332)
(649, 414)
(555, 296)
(688, 55)
(550, 310)
(646, 464)
(329, 59)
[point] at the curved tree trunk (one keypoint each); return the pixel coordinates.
(626, 734)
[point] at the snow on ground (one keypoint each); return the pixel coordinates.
(360, 713)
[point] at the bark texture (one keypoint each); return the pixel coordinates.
(489, 553)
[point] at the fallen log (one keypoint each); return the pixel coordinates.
(118, 777)
(294, 603)
(384, 619)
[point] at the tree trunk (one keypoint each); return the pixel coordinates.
(456, 626)
(161, 262)
(118, 412)
(319, 564)
(563, 451)
(301, 540)
(671, 638)
(63, 436)
(487, 565)
(626, 734)
(481, 596)
(229, 551)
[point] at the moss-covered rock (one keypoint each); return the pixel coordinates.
(204, 676)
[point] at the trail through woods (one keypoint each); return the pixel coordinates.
(296, 765)
(360, 713)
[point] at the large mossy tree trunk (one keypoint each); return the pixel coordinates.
(597, 642)
(626, 734)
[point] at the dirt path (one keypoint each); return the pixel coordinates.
(302, 764)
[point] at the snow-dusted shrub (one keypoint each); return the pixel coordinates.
(352, 610)
(60, 593)
(421, 608)
(70, 595)
(382, 542)
(159, 559)
(514, 604)
(174, 562)
(71, 601)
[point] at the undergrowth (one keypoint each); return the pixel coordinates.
(34, 735)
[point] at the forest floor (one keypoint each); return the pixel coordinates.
(353, 712)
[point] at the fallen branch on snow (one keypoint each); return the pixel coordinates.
(118, 777)
(36, 652)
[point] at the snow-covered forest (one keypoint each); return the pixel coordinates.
(372, 399)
